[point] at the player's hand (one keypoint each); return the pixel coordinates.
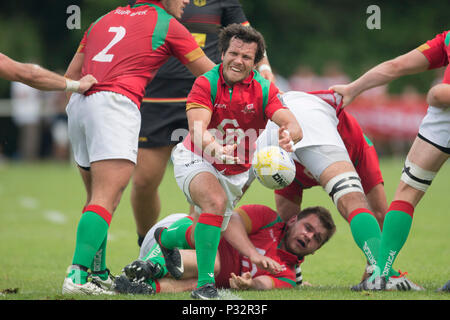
(346, 93)
(86, 82)
(243, 282)
(285, 140)
(266, 263)
(225, 154)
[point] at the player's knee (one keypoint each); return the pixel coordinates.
(345, 187)
(416, 177)
(145, 182)
(215, 204)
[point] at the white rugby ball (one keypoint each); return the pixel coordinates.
(273, 167)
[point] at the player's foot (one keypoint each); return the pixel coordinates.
(104, 279)
(89, 288)
(205, 292)
(445, 287)
(402, 283)
(174, 263)
(140, 270)
(123, 285)
(374, 283)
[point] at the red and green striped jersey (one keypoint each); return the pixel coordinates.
(238, 113)
(124, 48)
(437, 51)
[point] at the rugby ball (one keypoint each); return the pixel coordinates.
(273, 167)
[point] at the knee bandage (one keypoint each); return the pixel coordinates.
(342, 184)
(416, 177)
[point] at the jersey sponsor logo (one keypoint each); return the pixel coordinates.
(200, 3)
(250, 108)
(220, 106)
(130, 13)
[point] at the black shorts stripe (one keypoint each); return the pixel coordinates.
(443, 149)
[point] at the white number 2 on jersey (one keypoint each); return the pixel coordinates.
(104, 56)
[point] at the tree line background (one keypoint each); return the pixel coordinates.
(296, 31)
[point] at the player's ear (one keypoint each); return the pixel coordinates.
(292, 221)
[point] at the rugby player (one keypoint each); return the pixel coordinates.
(123, 49)
(429, 151)
(212, 164)
(259, 251)
(335, 154)
(163, 107)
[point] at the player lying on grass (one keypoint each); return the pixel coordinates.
(335, 154)
(258, 251)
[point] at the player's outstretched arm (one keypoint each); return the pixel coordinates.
(237, 236)
(245, 282)
(40, 78)
(410, 63)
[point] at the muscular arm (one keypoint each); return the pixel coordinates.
(246, 281)
(286, 208)
(285, 119)
(200, 66)
(36, 76)
(237, 236)
(410, 63)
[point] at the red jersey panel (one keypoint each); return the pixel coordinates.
(238, 114)
(437, 51)
(361, 151)
(267, 230)
(124, 48)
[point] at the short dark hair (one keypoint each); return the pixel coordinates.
(325, 218)
(244, 33)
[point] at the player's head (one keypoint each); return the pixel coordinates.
(242, 47)
(175, 7)
(308, 231)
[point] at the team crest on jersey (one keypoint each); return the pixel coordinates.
(200, 3)
(280, 97)
(250, 108)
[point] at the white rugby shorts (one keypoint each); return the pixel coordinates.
(322, 144)
(435, 127)
(187, 165)
(102, 126)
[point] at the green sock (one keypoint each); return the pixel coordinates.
(98, 265)
(155, 256)
(207, 237)
(366, 233)
(153, 284)
(175, 235)
(91, 234)
(78, 275)
(396, 227)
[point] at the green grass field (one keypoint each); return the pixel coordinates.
(40, 205)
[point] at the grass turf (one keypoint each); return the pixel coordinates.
(41, 205)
